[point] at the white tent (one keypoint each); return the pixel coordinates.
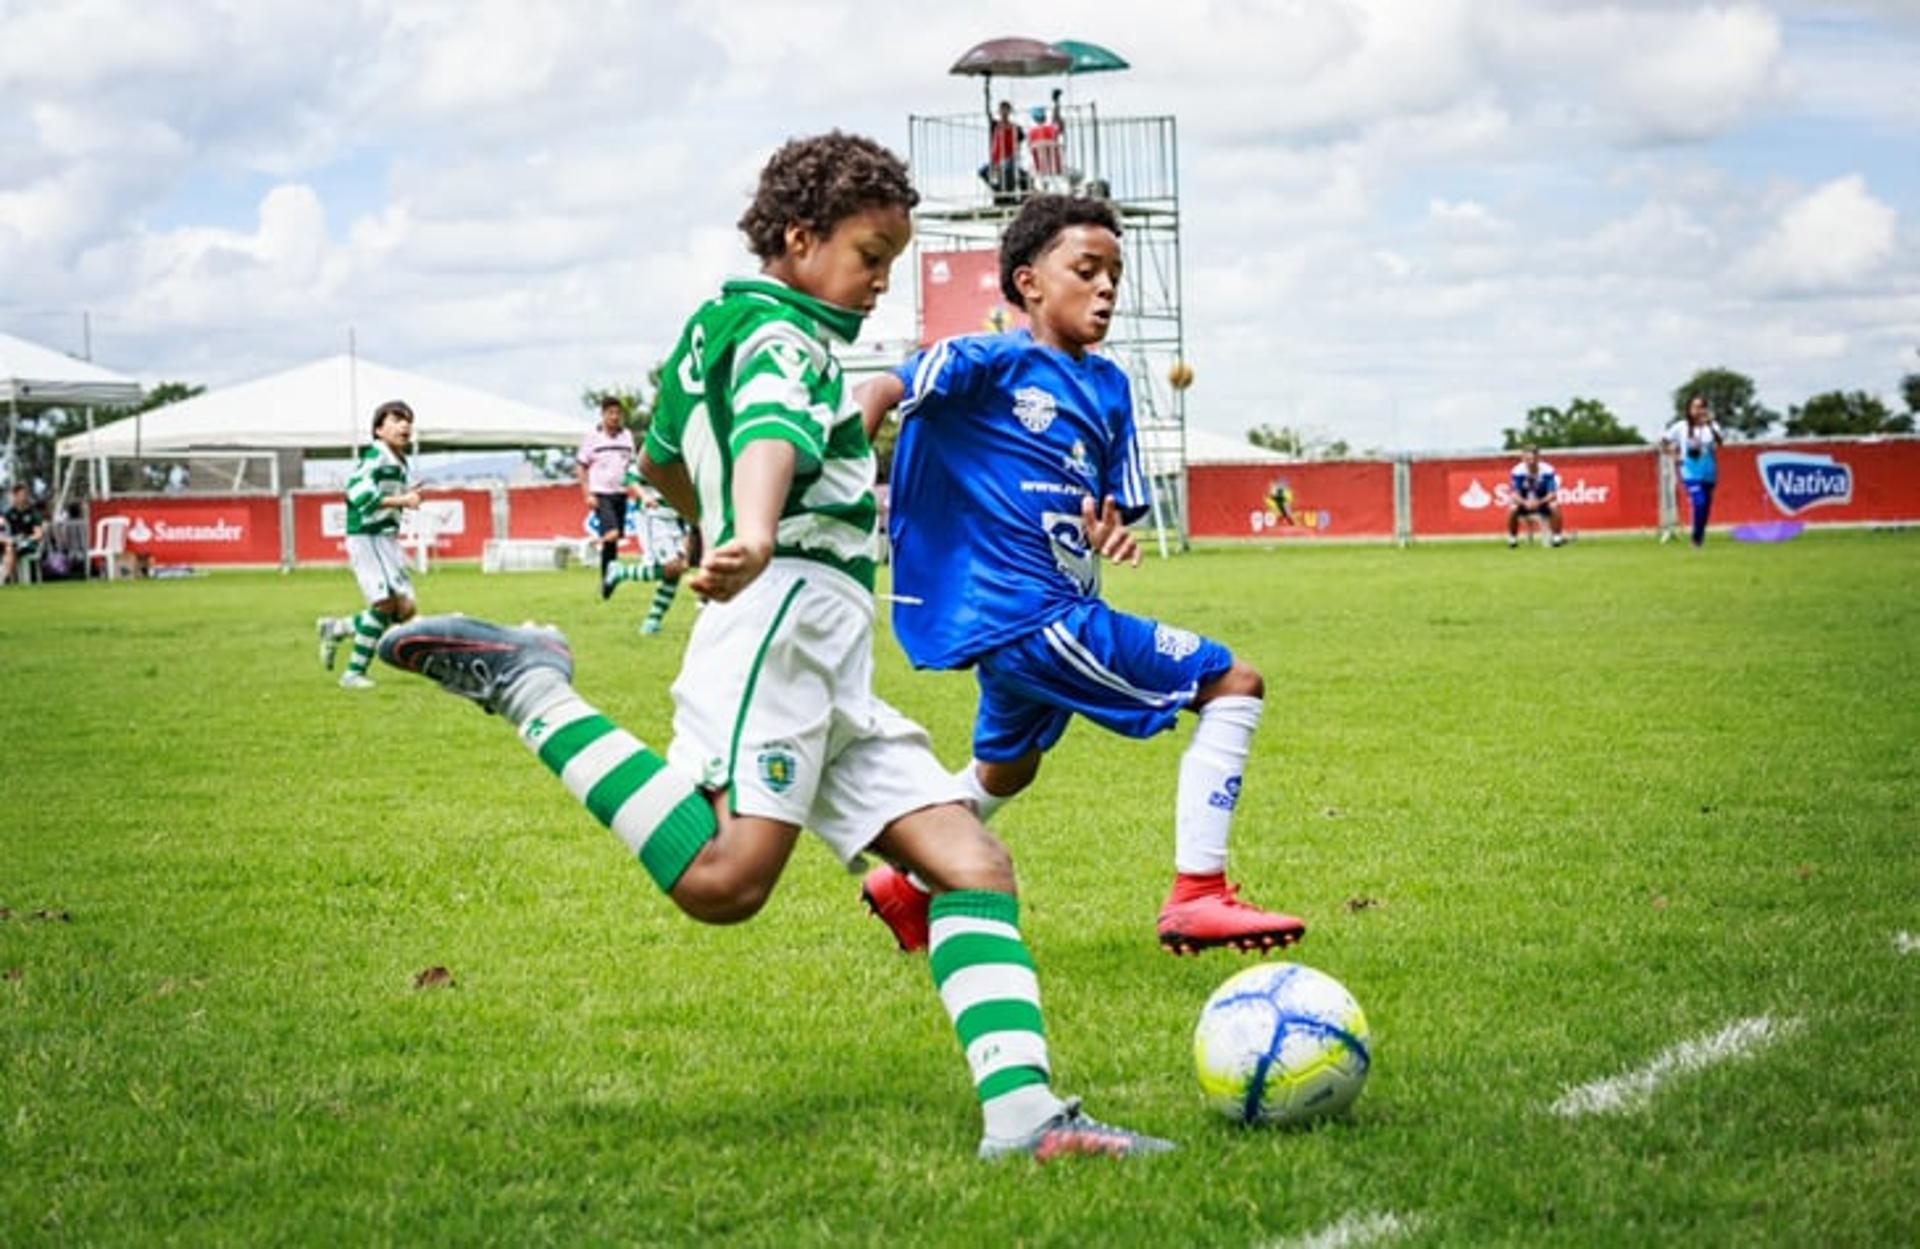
(1206, 447)
(44, 378)
(32, 376)
(327, 406)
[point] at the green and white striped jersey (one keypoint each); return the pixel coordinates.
(756, 363)
(378, 474)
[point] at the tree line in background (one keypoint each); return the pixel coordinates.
(41, 429)
(1590, 423)
(1735, 404)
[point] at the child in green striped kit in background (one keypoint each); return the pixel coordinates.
(664, 556)
(377, 490)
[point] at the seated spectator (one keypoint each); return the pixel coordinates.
(26, 529)
(1002, 172)
(1536, 490)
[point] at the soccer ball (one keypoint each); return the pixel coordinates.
(1281, 1043)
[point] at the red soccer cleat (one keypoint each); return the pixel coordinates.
(900, 905)
(1188, 926)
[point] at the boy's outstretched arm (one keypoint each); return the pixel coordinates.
(878, 396)
(761, 478)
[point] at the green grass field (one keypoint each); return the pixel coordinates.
(1548, 814)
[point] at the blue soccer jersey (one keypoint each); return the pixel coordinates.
(1000, 440)
(1536, 487)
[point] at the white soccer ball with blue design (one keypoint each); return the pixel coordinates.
(1281, 1043)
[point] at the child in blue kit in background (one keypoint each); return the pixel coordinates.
(1017, 470)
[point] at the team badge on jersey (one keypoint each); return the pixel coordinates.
(778, 768)
(789, 358)
(1035, 408)
(1175, 643)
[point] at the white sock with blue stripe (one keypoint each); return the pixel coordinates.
(1210, 773)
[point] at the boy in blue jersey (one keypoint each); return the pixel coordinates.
(1536, 491)
(1006, 443)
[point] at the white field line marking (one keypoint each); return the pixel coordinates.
(1635, 1088)
(1354, 1230)
(1906, 943)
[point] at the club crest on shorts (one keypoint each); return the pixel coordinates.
(1175, 643)
(778, 768)
(1035, 408)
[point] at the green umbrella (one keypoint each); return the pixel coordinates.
(1089, 58)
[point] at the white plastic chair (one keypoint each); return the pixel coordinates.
(419, 530)
(109, 545)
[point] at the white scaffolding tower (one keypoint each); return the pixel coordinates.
(1132, 163)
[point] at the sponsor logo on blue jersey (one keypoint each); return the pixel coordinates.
(1076, 461)
(1798, 480)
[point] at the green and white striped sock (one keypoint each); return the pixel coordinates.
(641, 571)
(367, 628)
(662, 599)
(986, 981)
(661, 816)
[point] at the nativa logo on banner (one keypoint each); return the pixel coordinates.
(1798, 480)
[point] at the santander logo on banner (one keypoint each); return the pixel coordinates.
(1592, 491)
(1798, 480)
(202, 525)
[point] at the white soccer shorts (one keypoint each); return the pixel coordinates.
(379, 566)
(664, 538)
(775, 696)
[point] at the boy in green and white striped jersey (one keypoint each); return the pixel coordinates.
(776, 725)
(377, 490)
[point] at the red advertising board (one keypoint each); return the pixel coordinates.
(960, 294)
(557, 511)
(197, 530)
(460, 521)
(1336, 500)
(1610, 490)
(1817, 482)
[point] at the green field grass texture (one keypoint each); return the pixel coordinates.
(1549, 814)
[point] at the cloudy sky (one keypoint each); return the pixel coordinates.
(1405, 221)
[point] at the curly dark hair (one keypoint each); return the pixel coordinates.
(1034, 232)
(818, 183)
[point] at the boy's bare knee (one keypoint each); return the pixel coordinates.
(730, 903)
(979, 862)
(1242, 680)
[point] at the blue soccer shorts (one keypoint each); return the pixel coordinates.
(1126, 674)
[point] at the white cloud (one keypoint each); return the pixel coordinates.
(1834, 237)
(1405, 220)
(1463, 214)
